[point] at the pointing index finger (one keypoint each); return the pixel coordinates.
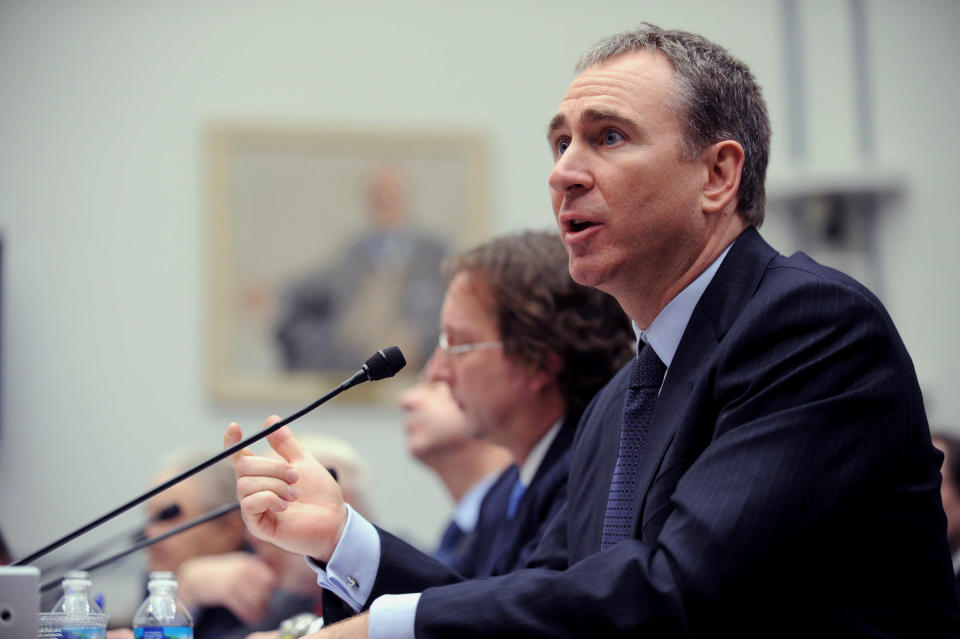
(283, 442)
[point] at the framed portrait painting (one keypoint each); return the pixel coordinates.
(325, 245)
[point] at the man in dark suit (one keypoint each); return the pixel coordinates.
(764, 468)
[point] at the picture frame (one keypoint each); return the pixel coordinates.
(324, 245)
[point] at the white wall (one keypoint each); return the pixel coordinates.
(102, 107)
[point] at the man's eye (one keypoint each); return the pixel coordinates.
(562, 146)
(612, 137)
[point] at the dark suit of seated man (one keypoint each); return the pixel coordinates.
(491, 534)
(764, 468)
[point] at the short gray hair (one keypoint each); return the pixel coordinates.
(717, 99)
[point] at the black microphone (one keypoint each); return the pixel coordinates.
(135, 535)
(384, 363)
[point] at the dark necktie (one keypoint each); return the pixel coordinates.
(449, 544)
(645, 379)
(516, 493)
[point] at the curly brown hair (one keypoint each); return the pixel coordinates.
(541, 311)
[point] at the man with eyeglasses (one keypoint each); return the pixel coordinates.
(523, 349)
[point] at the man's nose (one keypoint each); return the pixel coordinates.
(441, 369)
(571, 170)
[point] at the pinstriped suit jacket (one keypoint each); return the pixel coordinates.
(790, 487)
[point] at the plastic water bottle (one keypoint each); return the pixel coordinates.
(76, 615)
(77, 594)
(162, 615)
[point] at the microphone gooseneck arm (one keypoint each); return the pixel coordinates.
(384, 363)
(144, 543)
(134, 536)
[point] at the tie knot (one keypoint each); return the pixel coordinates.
(647, 370)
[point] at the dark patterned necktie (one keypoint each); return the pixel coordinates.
(645, 379)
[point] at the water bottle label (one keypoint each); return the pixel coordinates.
(163, 632)
(71, 633)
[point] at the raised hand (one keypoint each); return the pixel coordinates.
(291, 502)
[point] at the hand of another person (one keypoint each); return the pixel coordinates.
(269, 634)
(120, 633)
(295, 503)
(238, 581)
(356, 627)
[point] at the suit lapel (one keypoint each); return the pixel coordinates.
(721, 303)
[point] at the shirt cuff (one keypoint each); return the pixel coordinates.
(393, 616)
(353, 567)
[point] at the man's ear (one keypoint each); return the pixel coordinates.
(724, 163)
(548, 370)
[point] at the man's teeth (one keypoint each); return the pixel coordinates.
(579, 225)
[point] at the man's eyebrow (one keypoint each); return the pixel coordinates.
(588, 115)
(604, 115)
(558, 121)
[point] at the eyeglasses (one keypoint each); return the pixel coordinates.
(458, 349)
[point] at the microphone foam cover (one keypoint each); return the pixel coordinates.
(384, 363)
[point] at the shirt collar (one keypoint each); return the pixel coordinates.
(539, 451)
(467, 510)
(667, 327)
